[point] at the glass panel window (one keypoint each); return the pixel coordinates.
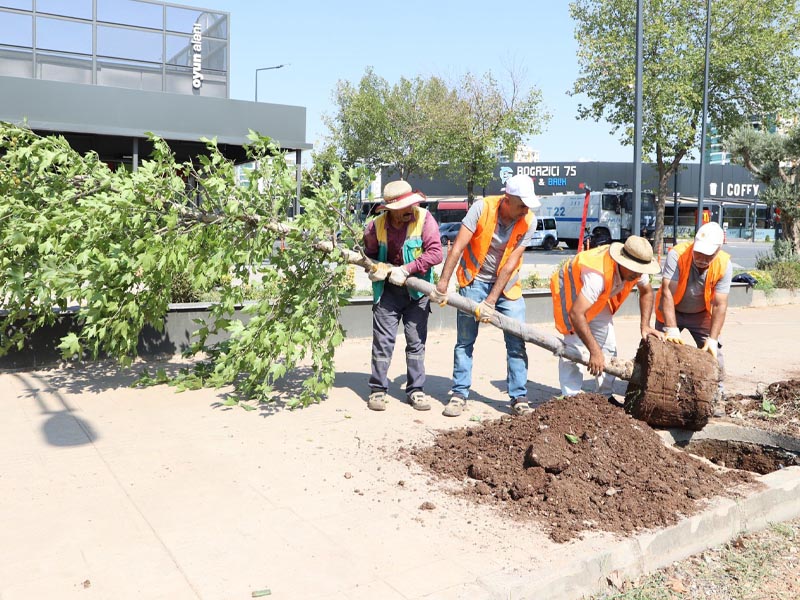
(179, 50)
(81, 9)
(21, 4)
(56, 66)
(16, 62)
(131, 12)
(64, 36)
(215, 55)
(16, 30)
(129, 74)
(181, 20)
(119, 42)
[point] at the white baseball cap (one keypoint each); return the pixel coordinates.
(709, 239)
(522, 187)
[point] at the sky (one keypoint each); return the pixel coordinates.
(322, 42)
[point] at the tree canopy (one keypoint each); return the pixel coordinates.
(774, 159)
(114, 244)
(754, 70)
(422, 126)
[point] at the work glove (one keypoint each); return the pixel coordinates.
(439, 297)
(673, 334)
(398, 276)
(484, 312)
(379, 272)
(711, 346)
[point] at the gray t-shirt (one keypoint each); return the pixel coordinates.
(693, 300)
(499, 242)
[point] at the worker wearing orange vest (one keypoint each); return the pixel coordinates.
(486, 256)
(587, 291)
(694, 290)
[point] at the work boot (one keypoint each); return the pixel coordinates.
(520, 407)
(377, 400)
(419, 400)
(455, 406)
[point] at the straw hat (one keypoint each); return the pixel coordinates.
(398, 194)
(635, 254)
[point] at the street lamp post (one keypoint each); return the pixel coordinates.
(265, 69)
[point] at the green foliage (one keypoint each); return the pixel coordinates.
(533, 280)
(754, 70)
(763, 281)
(121, 246)
(786, 274)
(768, 406)
(773, 159)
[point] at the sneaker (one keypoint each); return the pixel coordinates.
(419, 400)
(377, 400)
(521, 407)
(455, 406)
(612, 400)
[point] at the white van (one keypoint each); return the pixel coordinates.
(546, 234)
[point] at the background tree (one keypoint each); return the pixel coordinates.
(773, 159)
(115, 244)
(399, 126)
(754, 70)
(490, 122)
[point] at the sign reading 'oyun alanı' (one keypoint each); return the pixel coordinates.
(197, 56)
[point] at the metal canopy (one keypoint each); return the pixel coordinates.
(107, 119)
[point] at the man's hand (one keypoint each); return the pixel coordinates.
(711, 346)
(647, 331)
(596, 362)
(398, 276)
(673, 334)
(379, 272)
(439, 297)
(484, 312)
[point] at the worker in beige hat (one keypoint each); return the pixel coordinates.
(587, 291)
(405, 241)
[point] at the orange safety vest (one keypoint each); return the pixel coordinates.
(475, 253)
(716, 270)
(566, 284)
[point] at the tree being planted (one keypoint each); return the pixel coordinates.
(114, 244)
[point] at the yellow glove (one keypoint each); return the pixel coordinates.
(673, 334)
(439, 297)
(711, 346)
(380, 271)
(484, 312)
(398, 276)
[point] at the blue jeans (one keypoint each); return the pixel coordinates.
(467, 328)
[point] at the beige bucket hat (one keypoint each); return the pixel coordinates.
(635, 254)
(398, 194)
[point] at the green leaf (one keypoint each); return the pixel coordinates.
(572, 439)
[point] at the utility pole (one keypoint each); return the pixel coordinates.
(266, 69)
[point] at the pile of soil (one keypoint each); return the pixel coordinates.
(577, 464)
(776, 409)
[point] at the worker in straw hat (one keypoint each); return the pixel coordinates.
(404, 239)
(694, 290)
(587, 291)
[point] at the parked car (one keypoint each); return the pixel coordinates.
(546, 234)
(449, 231)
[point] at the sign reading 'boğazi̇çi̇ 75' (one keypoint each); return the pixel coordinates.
(197, 56)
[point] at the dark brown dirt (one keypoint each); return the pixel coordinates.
(743, 455)
(577, 464)
(777, 409)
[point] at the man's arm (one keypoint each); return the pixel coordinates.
(668, 302)
(577, 316)
(719, 308)
(646, 298)
(504, 274)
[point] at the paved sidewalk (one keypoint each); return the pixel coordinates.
(114, 492)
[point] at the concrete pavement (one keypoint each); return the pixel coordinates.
(109, 491)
